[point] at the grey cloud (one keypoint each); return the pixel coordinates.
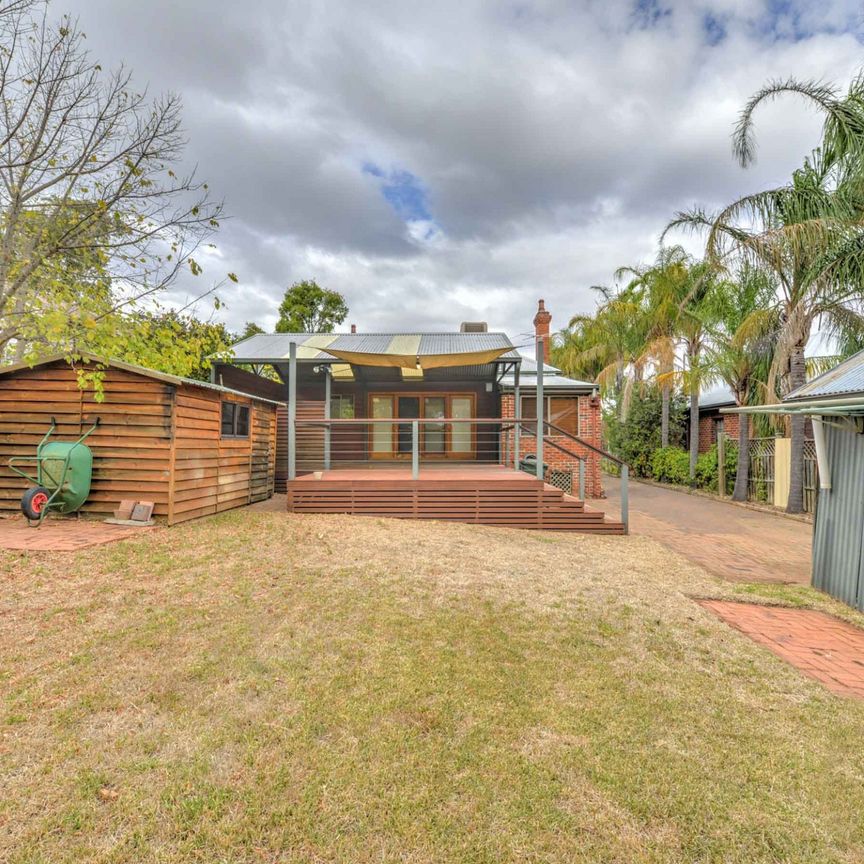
(555, 138)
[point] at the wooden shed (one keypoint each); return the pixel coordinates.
(192, 447)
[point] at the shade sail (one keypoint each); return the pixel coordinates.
(424, 361)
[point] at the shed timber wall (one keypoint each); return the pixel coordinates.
(156, 441)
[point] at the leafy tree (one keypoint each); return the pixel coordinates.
(250, 328)
(88, 178)
(309, 308)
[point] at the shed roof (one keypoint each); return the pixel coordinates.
(312, 347)
(138, 370)
(844, 379)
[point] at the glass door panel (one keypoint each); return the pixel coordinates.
(434, 435)
(461, 434)
(409, 409)
(382, 433)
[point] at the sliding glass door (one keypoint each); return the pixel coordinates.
(437, 440)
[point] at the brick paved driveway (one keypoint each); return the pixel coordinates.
(729, 541)
(821, 646)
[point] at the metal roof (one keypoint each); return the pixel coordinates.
(846, 377)
(552, 378)
(274, 347)
(138, 370)
(715, 399)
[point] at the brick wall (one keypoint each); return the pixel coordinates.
(589, 431)
(708, 428)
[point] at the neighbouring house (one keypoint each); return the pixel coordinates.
(712, 421)
(456, 411)
(191, 447)
(834, 402)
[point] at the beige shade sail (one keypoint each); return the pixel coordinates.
(411, 360)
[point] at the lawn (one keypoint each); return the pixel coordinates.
(261, 688)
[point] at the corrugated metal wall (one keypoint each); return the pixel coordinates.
(838, 536)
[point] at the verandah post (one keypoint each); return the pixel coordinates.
(292, 411)
(326, 418)
(625, 498)
(415, 450)
(540, 419)
(721, 463)
(581, 479)
(517, 414)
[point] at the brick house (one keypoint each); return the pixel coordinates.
(437, 400)
(712, 422)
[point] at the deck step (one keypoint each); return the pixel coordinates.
(500, 500)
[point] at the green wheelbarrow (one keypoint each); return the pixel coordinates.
(64, 471)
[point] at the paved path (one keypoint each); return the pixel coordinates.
(729, 541)
(823, 647)
(61, 535)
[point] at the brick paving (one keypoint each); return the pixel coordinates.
(729, 541)
(62, 535)
(819, 645)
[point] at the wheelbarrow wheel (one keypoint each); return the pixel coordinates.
(33, 502)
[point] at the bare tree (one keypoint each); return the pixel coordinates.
(88, 171)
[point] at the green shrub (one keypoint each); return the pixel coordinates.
(638, 437)
(671, 465)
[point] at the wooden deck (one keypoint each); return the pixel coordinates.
(485, 495)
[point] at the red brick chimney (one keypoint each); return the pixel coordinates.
(353, 328)
(542, 320)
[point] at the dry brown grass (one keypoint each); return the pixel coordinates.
(259, 687)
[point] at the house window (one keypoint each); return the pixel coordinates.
(235, 420)
(342, 407)
(560, 411)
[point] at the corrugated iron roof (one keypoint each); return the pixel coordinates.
(552, 377)
(845, 378)
(273, 347)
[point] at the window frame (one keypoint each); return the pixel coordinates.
(237, 411)
(346, 398)
(547, 399)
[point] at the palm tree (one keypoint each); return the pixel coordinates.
(742, 346)
(809, 236)
(664, 287)
(608, 346)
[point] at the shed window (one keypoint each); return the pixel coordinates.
(235, 420)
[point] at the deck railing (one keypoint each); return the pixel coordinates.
(324, 444)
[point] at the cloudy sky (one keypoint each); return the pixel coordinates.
(437, 162)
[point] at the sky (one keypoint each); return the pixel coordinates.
(457, 160)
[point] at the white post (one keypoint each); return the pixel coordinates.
(821, 454)
(581, 479)
(415, 450)
(292, 411)
(540, 407)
